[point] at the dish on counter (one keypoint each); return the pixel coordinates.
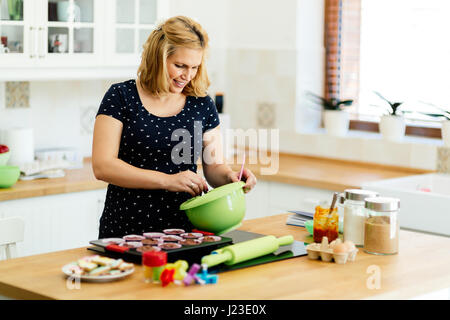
(98, 269)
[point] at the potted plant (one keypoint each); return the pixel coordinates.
(335, 119)
(392, 125)
(445, 129)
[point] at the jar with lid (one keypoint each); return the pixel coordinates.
(340, 210)
(355, 215)
(381, 228)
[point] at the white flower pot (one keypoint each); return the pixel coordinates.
(392, 127)
(446, 132)
(336, 122)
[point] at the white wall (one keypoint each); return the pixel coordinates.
(60, 113)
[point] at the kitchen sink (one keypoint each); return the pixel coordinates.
(424, 200)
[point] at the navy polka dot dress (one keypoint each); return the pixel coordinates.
(166, 144)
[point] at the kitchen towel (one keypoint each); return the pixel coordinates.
(21, 145)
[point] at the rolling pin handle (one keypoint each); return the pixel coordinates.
(215, 259)
(285, 240)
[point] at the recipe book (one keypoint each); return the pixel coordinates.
(299, 218)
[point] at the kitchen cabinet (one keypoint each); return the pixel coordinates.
(52, 33)
(56, 222)
(129, 23)
(74, 34)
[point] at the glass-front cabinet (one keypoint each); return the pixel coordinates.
(50, 32)
(15, 22)
(131, 22)
(76, 33)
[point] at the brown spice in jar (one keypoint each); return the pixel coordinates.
(381, 235)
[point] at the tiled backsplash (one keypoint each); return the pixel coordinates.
(17, 95)
(443, 160)
(61, 113)
(260, 87)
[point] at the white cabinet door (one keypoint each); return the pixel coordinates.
(70, 33)
(18, 33)
(52, 33)
(129, 23)
(76, 33)
(56, 222)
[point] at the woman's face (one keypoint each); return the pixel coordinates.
(182, 67)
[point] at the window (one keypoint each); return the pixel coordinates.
(399, 49)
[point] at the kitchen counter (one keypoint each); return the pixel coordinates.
(301, 170)
(76, 180)
(420, 267)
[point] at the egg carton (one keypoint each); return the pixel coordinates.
(336, 250)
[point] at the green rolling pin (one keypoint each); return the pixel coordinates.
(246, 250)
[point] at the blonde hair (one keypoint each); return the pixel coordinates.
(174, 33)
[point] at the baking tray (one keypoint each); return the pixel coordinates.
(192, 254)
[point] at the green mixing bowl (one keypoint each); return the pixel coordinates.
(4, 157)
(8, 176)
(219, 211)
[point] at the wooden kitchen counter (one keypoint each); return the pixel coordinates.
(422, 266)
(76, 180)
(300, 170)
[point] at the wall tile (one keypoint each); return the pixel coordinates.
(17, 95)
(443, 160)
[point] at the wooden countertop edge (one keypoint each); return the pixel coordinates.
(53, 190)
(65, 185)
(21, 294)
(372, 165)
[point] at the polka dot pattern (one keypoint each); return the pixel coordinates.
(154, 143)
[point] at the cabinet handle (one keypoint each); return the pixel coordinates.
(32, 42)
(42, 42)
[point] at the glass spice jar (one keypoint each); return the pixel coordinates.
(326, 224)
(381, 227)
(340, 209)
(354, 214)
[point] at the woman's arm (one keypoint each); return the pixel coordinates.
(109, 168)
(215, 169)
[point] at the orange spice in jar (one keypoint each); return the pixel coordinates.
(325, 224)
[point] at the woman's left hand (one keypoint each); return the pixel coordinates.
(247, 176)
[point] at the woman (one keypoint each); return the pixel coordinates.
(149, 134)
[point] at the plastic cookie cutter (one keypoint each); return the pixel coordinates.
(181, 267)
(167, 276)
(174, 272)
(206, 277)
(191, 276)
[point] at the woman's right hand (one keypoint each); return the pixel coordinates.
(186, 181)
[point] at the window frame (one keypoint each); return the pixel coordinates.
(355, 123)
